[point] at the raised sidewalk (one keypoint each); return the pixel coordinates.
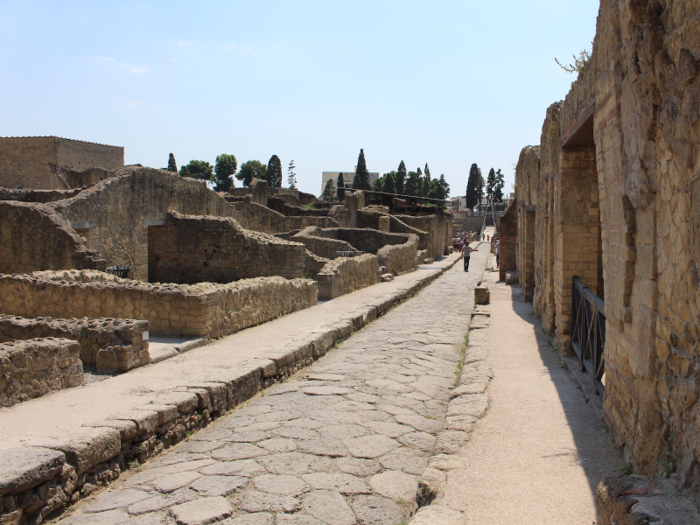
(86, 432)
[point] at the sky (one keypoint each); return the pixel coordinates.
(448, 83)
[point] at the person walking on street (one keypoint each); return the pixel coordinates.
(498, 252)
(466, 255)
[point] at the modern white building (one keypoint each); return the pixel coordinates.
(348, 176)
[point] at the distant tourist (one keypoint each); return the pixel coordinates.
(466, 254)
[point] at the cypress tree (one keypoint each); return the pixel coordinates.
(413, 183)
(361, 180)
(390, 182)
(427, 181)
(490, 183)
(274, 172)
(172, 166)
(498, 188)
(472, 182)
(401, 179)
(329, 191)
(341, 188)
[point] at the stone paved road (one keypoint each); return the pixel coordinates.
(342, 442)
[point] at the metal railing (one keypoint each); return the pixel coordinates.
(588, 332)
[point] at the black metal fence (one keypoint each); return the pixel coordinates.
(588, 332)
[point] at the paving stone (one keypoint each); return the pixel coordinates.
(323, 447)
(201, 511)
(280, 389)
(395, 485)
(177, 457)
(259, 518)
(213, 434)
(201, 446)
(116, 499)
(370, 446)
(434, 514)
(296, 433)
(358, 467)
(219, 485)
(418, 422)
(419, 440)
(255, 427)
(343, 431)
(251, 436)
(325, 391)
(110, 517)
(150, 474)
(282, 415)
(343, 483)
(361, 397)
(278, 445)
(256, 410)
(392, 430)
(409, 463)
(254, 501)
(304, 422)
(329, 507)
(236, 421)
(173, 482)
(243, 467)
(325, 377)
(238, 451)
(296, 519)
(282, 484)
(351, 405)
(395, 410)
(295, 463)
(159, 502)
(375, 510)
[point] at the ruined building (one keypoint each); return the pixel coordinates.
(605, 228)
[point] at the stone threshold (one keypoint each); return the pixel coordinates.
(53, 472)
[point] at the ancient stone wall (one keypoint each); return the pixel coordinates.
(110, 345)
(253, 216)
(347, 274)
(527, 178)
(23, 195)
(36, 367)
(399, 258)
(34, 237)
(439, 226)
(283, 206)
(508, 237)
(618, 192)
(191, 249)
(370, 219)
(36, 162)
(204, 309)
(323, 246)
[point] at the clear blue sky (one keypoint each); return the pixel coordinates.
(444, 82)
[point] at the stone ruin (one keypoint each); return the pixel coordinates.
(202, 264)
(611, 197)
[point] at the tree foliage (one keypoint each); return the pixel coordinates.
(198, 169)
(361, 180)
(472, 184)
(274, 172)
(427, 179)
(401, 179)
(341, 188)
(172, 165)
(498, 188)
(490, 184)
(413, 183)
(389, 182)
(224, 168)
(378, 185)
(291, 176)
(252, 169)
(329, 191)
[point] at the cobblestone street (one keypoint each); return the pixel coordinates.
(342, 442)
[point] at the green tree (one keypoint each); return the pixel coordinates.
(361, 180)
(426, 181)
(444, 187)
(378, 185)
(198, 169)
(413, 183)
(390, 182)
(480, 189)
(224, 168)
(490, 183)
(498, 188)
(329, 191)
(274, 172)
(252, 169)
(291, 176)
(472, 183)
(341, 188)
(172, 166)
(401, 179)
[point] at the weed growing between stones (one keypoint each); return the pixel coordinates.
(626, 469)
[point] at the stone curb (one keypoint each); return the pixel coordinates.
(37, 479)
(469, 402)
